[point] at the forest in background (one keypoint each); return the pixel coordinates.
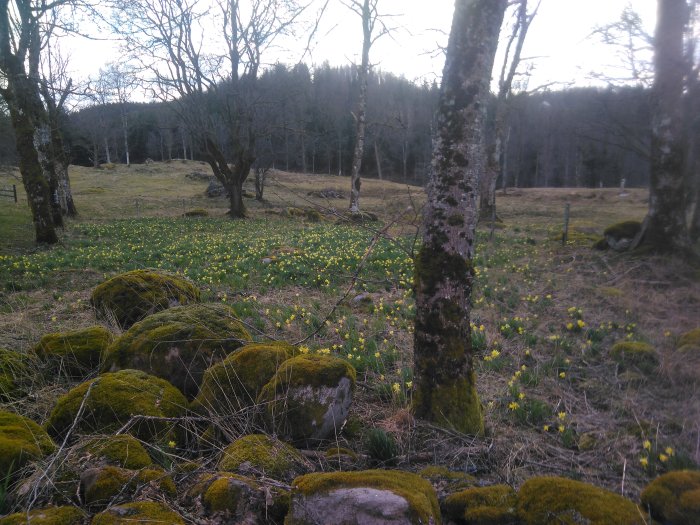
(582, 137)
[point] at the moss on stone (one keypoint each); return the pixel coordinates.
(689, 338)
(138, 512)
(196, 212)
(76, 352)
(113, 399)
(14, 368)
(418, 492)
(47, 516)
(122, 450)
(492, 505)
(310, 370)
(674, 498)
(546, 500)
(21, 440)
(623, 230)
(635, 354)
(100, 485)
(178, 344)
(236, 382)
(263, 456)
(131, 296)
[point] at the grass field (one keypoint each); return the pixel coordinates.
(544, 320)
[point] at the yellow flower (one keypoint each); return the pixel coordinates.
(521, 396)
(644, 462)
(561, 415)
(561, 428)
(569, 326)
(545, 428)
(647, 445)
(376, 354)
(396, 388)
(580, 323)
(663, 458)
(171, 444)
(409, 384)
(669, 451)
(562, 374)
(513, 405)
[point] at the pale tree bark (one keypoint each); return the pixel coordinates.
(665, 227)
(444, 379)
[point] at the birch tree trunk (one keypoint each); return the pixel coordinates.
(444, 379)
(665, 227)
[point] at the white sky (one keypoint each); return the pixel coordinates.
(559, 38)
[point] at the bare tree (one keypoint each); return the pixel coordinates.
(116, 84)
(373, 28)
(444, 379)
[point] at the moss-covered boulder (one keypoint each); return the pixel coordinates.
(369, 497)
(111, 400)
(235, 383)
(21, 440)
(138, 512)
(691, 337)
(308, 398)
(100, 485)
(178, 344)
(619, 236)
(122, 450)
(546, 500)
(635, 355)
(240, 499)
(494, 505)
(131, 296)
(15, 368)
(674, 498)
(74, 353)
(47, 516)
(260, 455)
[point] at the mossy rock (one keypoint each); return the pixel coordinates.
(546, 500)
(196, 212)
(21, 440)
(308, 214)
(635, 354)
(619, 236)
(308, 398)
(65, 515)
(100, 485)
(260, 455)
(674, 498)
(240, 499)
(689, 338)
(138, 512)
(75, 353)
(122, 450)
(178, 344)
(494, 505)
(112, 401)
(447, 480)
(15, 368)
(131, 296)
(369, 496)
(235, 383)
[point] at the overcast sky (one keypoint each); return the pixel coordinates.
(559, 38)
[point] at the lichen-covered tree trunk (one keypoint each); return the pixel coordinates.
(444, 380)
(487, 191)
(665, 225)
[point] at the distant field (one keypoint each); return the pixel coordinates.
(545, 315)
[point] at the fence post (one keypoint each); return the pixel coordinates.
(14, 192)
(565, 234)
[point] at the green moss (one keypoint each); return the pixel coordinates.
(674, 498)
(114, 399)
(310, 370)
(178, 344)
(46, 516)
(635, 354)
(139, 512)
(623, 230)
(236, 382)
(21, 440)
(76, 352)
(690, 338)
(14, 368)
(336, 452)
(131, 296)
(492, 505)
(196, 212)
(100, 485)
(418, 492)
(546, 500)
(122, 450)
(263, 456)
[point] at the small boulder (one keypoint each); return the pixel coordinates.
(215, 189)
(691, 338)
(309, 397)
(14, 369)
(259, 455)
(235, 383)
(75, 353)
(21, 440)
(131, 296)
(635, 355)
(545, 500)
(100, 485)
(178, 344)
(621, 235)
(674, 498)
(111, 400)
(493, 505)
(369, 497)
(138, 512)
(47, 516)
(122, 450)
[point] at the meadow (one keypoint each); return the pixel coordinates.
(545, 314)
